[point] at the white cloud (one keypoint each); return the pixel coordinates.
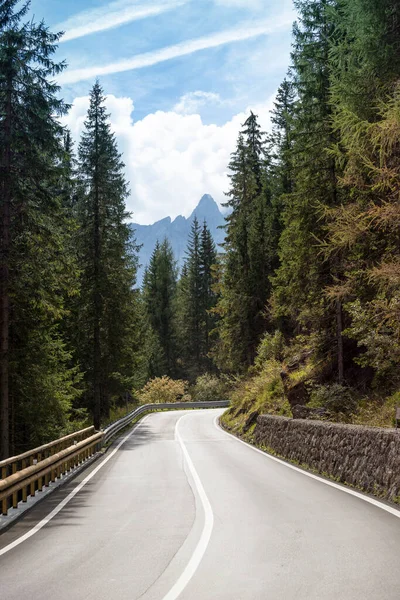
(192, 102)
(171, 159)
(185, 48)
(113, 15)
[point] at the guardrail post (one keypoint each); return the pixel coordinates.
(25, 488)
(4, 502)
(33, 484)
(15, 494)
(40, 479)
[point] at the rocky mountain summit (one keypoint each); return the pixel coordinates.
(177, 232)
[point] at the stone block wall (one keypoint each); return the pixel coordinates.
(367, 458)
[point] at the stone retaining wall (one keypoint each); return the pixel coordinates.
(366, 457)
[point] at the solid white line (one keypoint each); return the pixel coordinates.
(203, 542)
(64, 502)
(342, 488)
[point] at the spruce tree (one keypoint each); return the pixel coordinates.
(195, 300)
(251, 248)
(299, 302)
(159, 293)
(193, 309)
(363, 235)
(208, 297)
(36, 270)
(107, 259)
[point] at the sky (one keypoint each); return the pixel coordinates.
(180, 77)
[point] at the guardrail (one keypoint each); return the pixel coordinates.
(36, 468)
(114, 428)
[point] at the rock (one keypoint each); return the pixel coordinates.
(305, 412)
(251, 419)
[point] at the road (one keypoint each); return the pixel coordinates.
(183, 510)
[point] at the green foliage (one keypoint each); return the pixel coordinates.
(38, 382)
(271, 348)
(262, 393)
(337, 399)
(105, 326)
(159, 295)
(377, 411)
(162, 390)
(251, 251)
(195, 302)
(377, 337)
(210, 388)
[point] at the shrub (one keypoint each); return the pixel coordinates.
(271, 348)
(163, 389)
(208, 388)
(262, 392)
(377, 412)
(337, 399)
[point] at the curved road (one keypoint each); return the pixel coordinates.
(183, 510)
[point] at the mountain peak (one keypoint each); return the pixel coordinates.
(206, 209)
(177, 231)
(207, 200)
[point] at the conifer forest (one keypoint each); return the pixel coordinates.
(300, 309)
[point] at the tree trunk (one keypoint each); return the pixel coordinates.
(339, 322)
(4, 282)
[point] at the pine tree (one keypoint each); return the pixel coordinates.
(208, 297)
(195, 300)
(282, 118)
(192, 307)
(299, 302)
(363, 231)
(251, 249)
(159, 293)
(36, 385)
(107, 259)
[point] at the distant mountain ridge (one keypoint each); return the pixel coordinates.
(177, 232)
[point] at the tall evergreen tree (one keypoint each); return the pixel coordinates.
(107, 259)
(251, 240)
(159, 293)
(363, 231)
(282, 117)
(36, 386)
(299, 284)
(195, 300)
(208, 297)
(192, 301)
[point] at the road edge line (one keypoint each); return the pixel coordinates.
(70, 496)
(375, 502)
(202, 544)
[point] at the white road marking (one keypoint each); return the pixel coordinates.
(203, 542)
(64, 502)
(342, 488)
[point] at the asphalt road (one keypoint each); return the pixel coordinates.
(183, 510)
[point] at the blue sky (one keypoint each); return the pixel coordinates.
(180, 76)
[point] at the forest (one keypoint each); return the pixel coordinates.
(302, 308)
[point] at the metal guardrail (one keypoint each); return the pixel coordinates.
(114, 428)
(35, 468)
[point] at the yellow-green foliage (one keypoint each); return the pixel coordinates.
(163, 389)
(209, 388)
(262, 392)
(377, 413)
